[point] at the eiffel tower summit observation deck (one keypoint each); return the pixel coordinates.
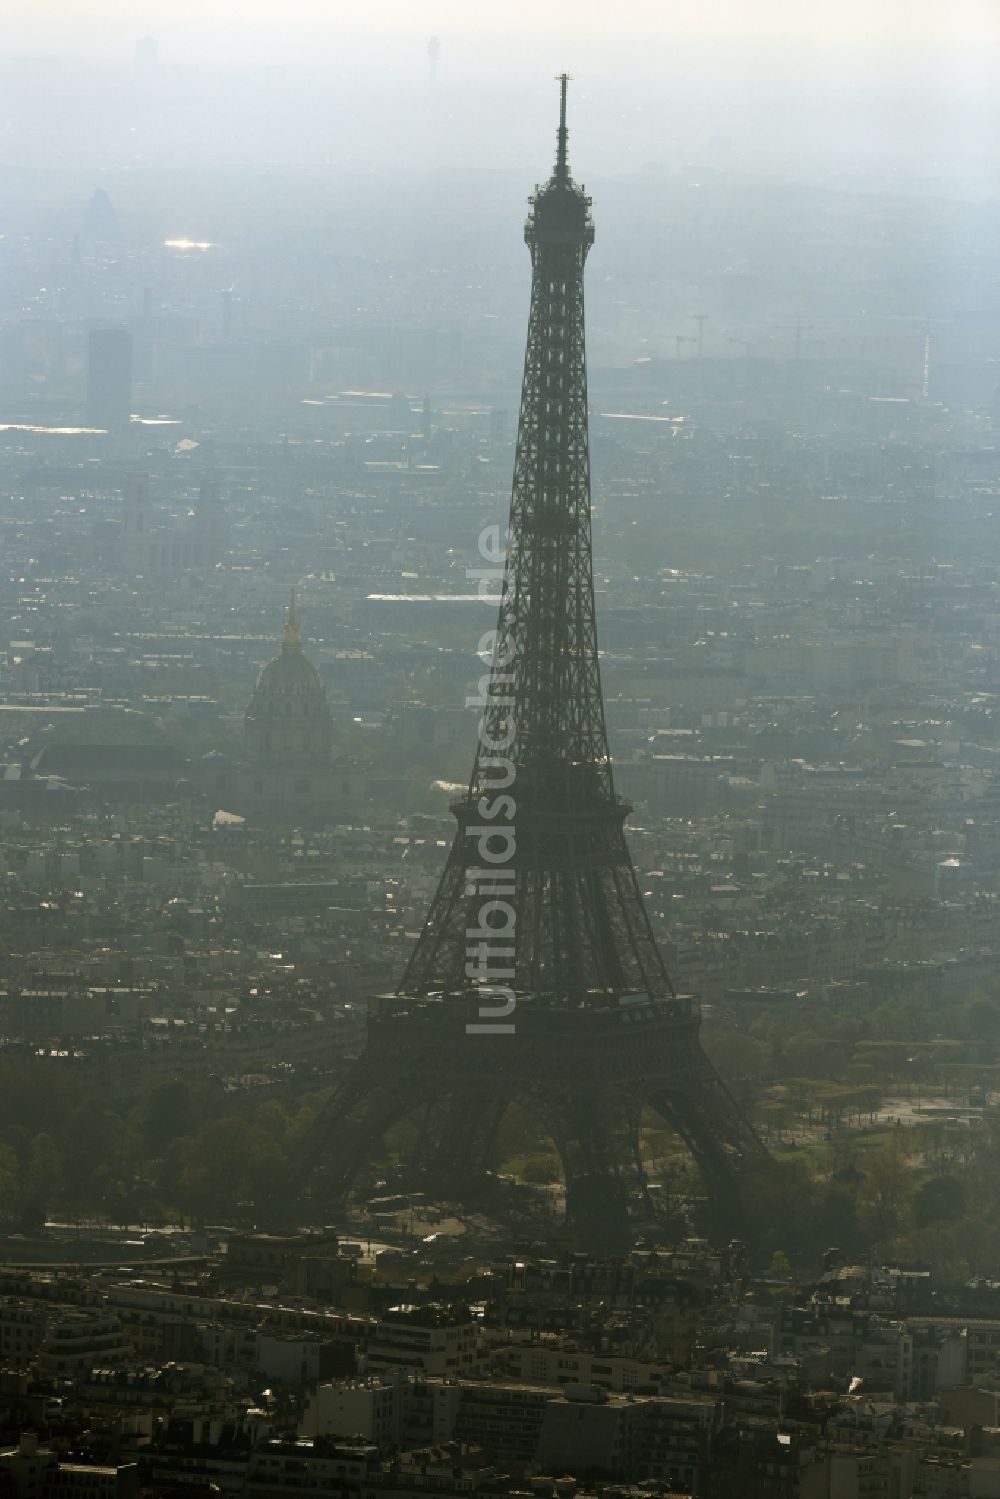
(537, 979)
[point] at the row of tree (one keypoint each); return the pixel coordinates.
(181, 1149)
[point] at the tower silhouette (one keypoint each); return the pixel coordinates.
(109, 378)
(537, 978)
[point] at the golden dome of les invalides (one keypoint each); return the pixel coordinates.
(288, 721)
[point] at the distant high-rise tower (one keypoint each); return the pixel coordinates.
(109, 378)
(100, 222)
(537, 979)
(433, 56)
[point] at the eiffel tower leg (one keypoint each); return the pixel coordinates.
(467, 1137)
(432, 1125)
(722, 1142)
(596, 1191)
(359, 1114)
(633, 1117)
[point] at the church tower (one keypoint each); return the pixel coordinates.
(288, 772)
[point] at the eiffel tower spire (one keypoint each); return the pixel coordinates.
(537, 978)
(562, 136)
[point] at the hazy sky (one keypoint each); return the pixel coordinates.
(896, 84)
(921, 24)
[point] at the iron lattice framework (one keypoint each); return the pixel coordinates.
(593, 1031)
(581, 928)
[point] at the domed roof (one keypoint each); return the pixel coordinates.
(287, 725)
(290, 674)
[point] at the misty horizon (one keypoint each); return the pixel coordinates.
(875, 95)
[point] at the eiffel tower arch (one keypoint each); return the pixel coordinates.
(537, 979)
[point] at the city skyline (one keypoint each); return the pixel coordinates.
(641, 1135)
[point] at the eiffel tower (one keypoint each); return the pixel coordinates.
(537, 978)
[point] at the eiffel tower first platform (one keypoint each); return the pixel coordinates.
(537, 978)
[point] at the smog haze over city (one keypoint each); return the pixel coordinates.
(499, 749)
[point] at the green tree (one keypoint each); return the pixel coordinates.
(164, 1114)
(36, 1096)
(735, 1053)
(101, 1157)
(940, 1199)
(227, 1164)
(980, 1018)
(272, 1119)
(9, 1184)
(810, 1054)
(42, 1181)
(779, 1200)
(885, 1190)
